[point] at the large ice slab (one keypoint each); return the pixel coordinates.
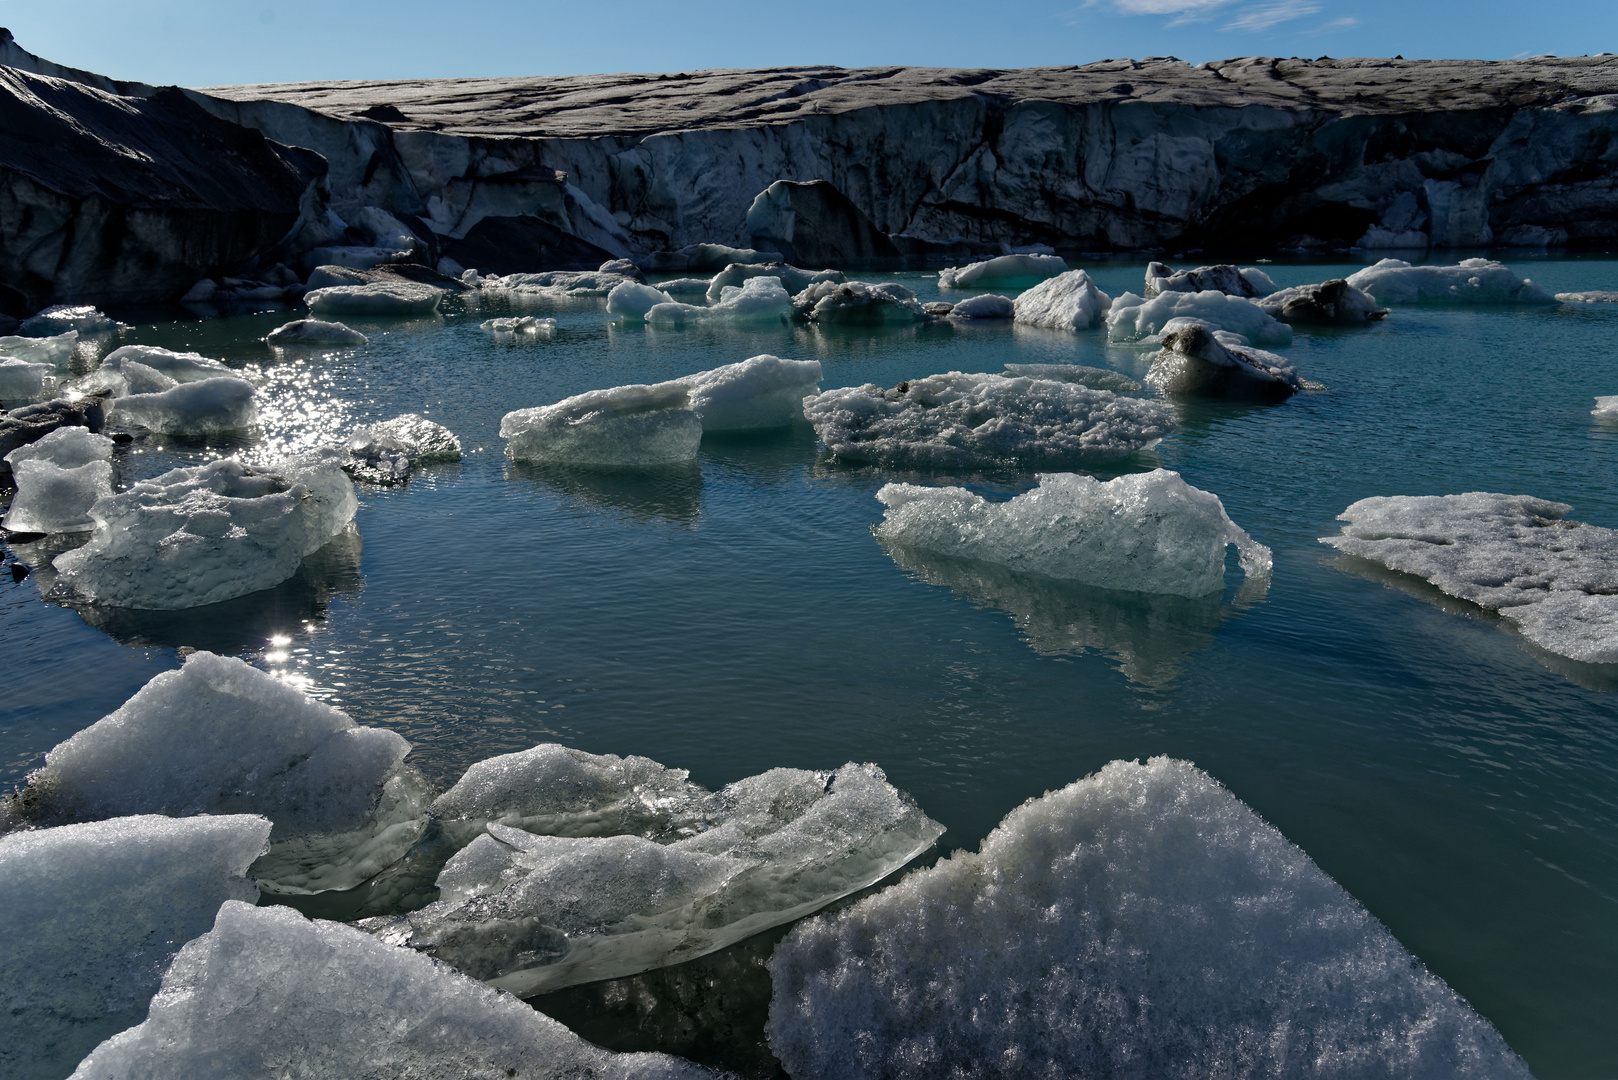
(62, 318)
(94, 913)
(179, 366)
(207, 407)
(1146, 532)
(613, 866)
(632, 300)
(268, 992)
(1250, 281)
(1068, 301)
(625, 426)
(315, 332)
(792, 279)
(200, 535)
(396, 298)
(222, 737)
(759, 299)
(58, 477)
(1140, 922)
(556, 284)
(1194, 362)
(763, 392)
(1133, 319)
(858, 303)
(960, 419)
(704, 258)
(1472, 281)
(1002, 272)
(1331, 303)
(1555, 580)
(387, 452)
(56, 350)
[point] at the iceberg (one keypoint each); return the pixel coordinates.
(1068, 301)
(1473, 281)
(181, 367)
(1140, 922)
(122, 377)
(28, 423)
(760, 299)
(315, 332)
(1002, 272)
(196, 536)
(704, 258)
(556, 284)
(598, 877)
(56, 351)
(792, 279)
(521, 324)
(622, 427)
(763, 392)
(1135, 319)
(388, 452)
(1331, 303)
(205, 407)
(219, 736)
(1606, 407)
(58, 320)
(1248, 281)
(22, 381)
(858, 303)
(58, 477)
(957, 419)
(1593, 297)
(396, 298)
(1194, 362)
(1555, 580)
(987, 306)
(1093, 377)
(267, 990)
(686, 286)
(94, 913)
(632, 300)
(1144, 532)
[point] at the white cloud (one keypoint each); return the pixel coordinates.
(1264, 16)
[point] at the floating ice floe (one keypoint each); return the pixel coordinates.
(1606, 407)
(1473, 281)
(1068, 301)
(1145, 532)
(704, 258)
(858, 303)
(582, 868)
(56, 351)
(1093, 377)
(987, 306)
(54, 321)
(388, 452)
(59, 477)
(22, 381)
(267, 991)
(522, 324)
(398, 298)
(1247, 281)
(763, 392)
(1593, 297)
(181, 367)
(1134, 319)
(1194, 362)
(686, 286)
(760, 299)
(315, 332)
(792, 279)
(1140, 922)
(200, 535)
(556, 284)
(1002, 272)
(1555, 580)
(29, 423)
(222, 737)
(122, 377)
(632, 300)
(625, 427)
(1331, 303)
(204, 407)
(957, 419)
(94, 913)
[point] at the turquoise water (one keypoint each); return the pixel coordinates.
(739, 615)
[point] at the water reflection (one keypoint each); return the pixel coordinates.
(673, 492)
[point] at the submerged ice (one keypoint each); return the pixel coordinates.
(388, 452)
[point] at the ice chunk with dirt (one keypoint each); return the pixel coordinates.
(94, 913)
(62, 318)
(1195, 363)
(956, 419)
(1145, 532)
(1606, 407)
(520, 324)
(620, 866)
(763, 392)
(267, 990)
(632, 300)
(1002, 272)
(206, 407)
(1592, 297)
(858, 303)
(1250, 281)
(1331, 303)
(22, 381)
(1093, 377)
(791, 278)
(556, 284)
(58, 478)
(622, 427)
(1472, 281)
(181, 367)
(390, 298)
(196, 536)
(221, 737)
(1135, 319)
(986, 306)
(760, 299)
(55, 351)
(1555, 580)
(388, 452)
(1143, 922)
(315, 332)
(1068, 301)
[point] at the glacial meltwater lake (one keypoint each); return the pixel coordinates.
(739, 614)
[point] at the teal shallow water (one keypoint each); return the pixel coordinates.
(739, 615)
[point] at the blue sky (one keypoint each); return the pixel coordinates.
(212, 42)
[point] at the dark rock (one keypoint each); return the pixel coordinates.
(20, 571)
(386, 114)
(522, 245)
(813, 224)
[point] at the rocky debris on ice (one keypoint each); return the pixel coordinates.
(621, 427)
(1068, 301)
(1472, 281)
(763, 392)
(1555, 580)
(792, 279)
(631, 300)
(1002, 272)
(556, 284)
(1331, 303)
(576, 876)
(181, 367)
(1142, 921)
(814, 223)
(1250, 281)
(1592, 297)
(704, 259)
(62, 318)
(1606, 407)
(520, 324)
(388, 452)
(858, 303)
(58, 477)
(206, 407)
(56, 350)
(1093, 377)
(1133, 319)
(94, 913)
(397, 299)
(29, 423)
(22, 382)
(196, 536)
(1144, 532)
(759, 299)
(268, 989)
(986, 306)
(315, 332)
(956, 419)
(1195, 363)
(219, 736)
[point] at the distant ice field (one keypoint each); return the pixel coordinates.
(738, 614)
